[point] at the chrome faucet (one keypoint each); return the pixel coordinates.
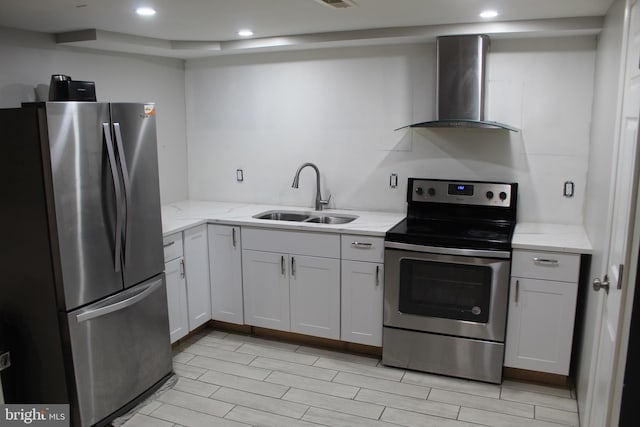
(296, 179)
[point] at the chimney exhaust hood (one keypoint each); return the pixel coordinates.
(461, 74)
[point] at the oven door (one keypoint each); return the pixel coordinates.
(445, 293)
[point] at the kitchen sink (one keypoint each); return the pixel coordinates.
(312, 217)
(331, 219)
(283, 216)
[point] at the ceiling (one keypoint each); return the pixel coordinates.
(189, 28)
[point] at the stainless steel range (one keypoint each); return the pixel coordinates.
(447, 278)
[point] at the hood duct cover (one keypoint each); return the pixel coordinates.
(461, 68)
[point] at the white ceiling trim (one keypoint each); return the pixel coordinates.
(119, 42)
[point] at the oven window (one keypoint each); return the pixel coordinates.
(439, 289)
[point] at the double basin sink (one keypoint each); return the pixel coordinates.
(312, 217)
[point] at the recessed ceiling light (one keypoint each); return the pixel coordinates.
(245, 33)
(488, 14)
(145, 11)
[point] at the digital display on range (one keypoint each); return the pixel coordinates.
(460, 190)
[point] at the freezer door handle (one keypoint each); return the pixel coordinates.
(118, 195)
(127, 188)
(126, 299)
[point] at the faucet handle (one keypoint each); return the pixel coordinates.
(325, 202)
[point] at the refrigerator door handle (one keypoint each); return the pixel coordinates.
(118, 195)
(127, 188)
(126, 299)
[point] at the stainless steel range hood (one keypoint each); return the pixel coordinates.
(461, 74)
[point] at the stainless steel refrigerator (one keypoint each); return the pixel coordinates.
(82, 297)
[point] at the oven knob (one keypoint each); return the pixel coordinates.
(503, 195)
(419, 191)
(431, 191)
(489, 194)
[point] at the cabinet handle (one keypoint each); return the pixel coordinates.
(377, 275)
(517, 290)
(233, 237)
(545, 261)
(166, 245)
(361, 245)
(282, 264)
(182, 268)
(293, 267)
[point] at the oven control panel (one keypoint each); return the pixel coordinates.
(461, 192)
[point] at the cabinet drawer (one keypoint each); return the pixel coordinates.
(172, 246)
(363, 248)
(292, 242)
(546, 265)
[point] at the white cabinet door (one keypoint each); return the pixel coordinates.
(266, 289)
(362, 299)
(315, 296)
(540, 325)
(225, 271)
(196, 260)
(176, 298)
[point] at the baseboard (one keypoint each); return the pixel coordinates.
(535, 376)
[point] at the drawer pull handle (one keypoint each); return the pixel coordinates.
(545, 261)
(362, 245)
(166, 245)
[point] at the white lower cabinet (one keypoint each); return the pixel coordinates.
(362, 293)
(362, 289)
(176, 287)
(176, 299)
(314, 287)
(291, 281)
(196, 260)
(542, 304)
(266, 289)
(225, 270)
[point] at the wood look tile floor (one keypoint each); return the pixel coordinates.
(227, 379)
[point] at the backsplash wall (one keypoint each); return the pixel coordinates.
(268, 113)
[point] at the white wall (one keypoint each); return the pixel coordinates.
(268, 113)
(605, 107)
(29, 59)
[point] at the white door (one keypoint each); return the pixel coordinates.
(266, 289)
(622, 205)
(361, 305)
(176, 299)
(540, 340)
(225, 270)
(315, 296)
(196, 260)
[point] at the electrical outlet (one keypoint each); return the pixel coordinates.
(569, 188)
(393, 180)
(239, 175)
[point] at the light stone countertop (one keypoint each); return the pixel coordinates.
(551, 237)
(185, 214)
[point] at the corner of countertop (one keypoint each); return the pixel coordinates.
(570, 238)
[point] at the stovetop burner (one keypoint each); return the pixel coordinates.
(470, 215)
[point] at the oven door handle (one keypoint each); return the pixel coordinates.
(448, 251)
